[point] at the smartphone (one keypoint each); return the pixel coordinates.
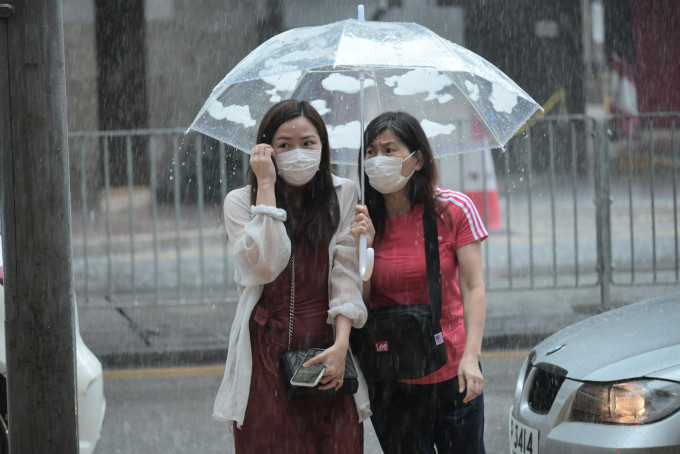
(309, 376)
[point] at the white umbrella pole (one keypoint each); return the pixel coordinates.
(365, 253)
(361, 134)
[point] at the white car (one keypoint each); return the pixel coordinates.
(608, 384)
(91, 401)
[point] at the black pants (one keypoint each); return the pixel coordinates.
(412, 419)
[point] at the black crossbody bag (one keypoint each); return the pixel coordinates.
(405, 342)
(291, 360)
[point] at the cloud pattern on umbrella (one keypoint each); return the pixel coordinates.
(464, 103)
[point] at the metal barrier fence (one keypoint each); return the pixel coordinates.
(583, 204)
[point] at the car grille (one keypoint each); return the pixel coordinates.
(544, 388)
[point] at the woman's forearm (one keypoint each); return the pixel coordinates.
(474, 315)
(343, 327)
(265, 195)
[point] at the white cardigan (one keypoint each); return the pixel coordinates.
(262, 249)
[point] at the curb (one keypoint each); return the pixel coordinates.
(217, 355)
(159, 359)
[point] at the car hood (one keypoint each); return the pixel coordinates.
(638, 340)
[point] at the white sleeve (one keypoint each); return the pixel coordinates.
(345, 282)
(258, 238)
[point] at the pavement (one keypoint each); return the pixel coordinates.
(174, 336)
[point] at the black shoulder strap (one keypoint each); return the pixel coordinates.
(434, 283)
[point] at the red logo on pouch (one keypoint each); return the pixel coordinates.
(382, 346)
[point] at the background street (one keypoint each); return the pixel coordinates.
(169, 410)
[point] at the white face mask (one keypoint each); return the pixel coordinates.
(384, 173)
(297, 167)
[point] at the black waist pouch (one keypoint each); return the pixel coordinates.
(399, 342)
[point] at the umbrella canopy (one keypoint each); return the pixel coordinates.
(463, 102)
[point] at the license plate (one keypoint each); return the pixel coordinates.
(523, 439)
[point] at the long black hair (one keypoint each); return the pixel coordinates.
(423, 181)
(321, 214)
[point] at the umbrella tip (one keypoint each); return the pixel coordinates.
(361, 13)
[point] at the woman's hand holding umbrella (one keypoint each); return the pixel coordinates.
(362, 225)
(363, 231)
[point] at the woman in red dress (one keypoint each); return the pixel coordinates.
(285, 229)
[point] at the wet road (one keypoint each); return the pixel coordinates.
(169, 410)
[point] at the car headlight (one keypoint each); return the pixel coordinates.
(633, 402)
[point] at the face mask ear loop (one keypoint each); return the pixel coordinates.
(406, 158)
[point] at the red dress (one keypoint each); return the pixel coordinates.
(273, 422)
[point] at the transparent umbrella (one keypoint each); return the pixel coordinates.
(464, 102)
(352, 70)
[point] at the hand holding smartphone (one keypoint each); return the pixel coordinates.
(309, 376)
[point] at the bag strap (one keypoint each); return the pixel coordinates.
(434, 283)
(291, 312)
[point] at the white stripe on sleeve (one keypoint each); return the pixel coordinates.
(467, 205)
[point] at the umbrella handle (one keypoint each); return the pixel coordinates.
(365, 259)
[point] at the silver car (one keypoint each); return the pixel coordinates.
(608, 384)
